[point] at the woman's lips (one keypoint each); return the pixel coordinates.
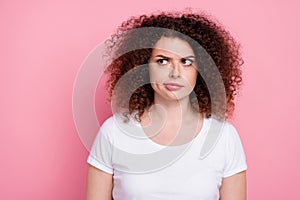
(173, 86)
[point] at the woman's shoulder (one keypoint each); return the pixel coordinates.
(118, 118)
(221, 131)
(222, 135)
(108, 123)
(119, 123)
(223, 125)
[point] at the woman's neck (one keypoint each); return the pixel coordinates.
(173, 122)
(172, 110)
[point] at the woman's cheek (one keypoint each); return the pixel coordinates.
(157, 75)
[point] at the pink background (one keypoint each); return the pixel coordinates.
(43, 44)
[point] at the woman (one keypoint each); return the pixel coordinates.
(172, 83)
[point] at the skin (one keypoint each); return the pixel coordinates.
(172, 62)
(234, 187)
(99, 184)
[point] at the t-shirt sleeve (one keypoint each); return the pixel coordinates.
(101, 152)
(234, 153)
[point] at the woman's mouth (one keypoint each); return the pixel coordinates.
(172, 86)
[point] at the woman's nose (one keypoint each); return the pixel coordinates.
(175, 70)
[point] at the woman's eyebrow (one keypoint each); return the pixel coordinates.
(163, 56)
(188, 57)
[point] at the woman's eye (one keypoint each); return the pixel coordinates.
(162, 61)
(187, 62)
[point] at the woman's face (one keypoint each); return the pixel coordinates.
(172, 68)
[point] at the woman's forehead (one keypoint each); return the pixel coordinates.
(173, 46)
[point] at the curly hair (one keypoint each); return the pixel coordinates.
(128, 83)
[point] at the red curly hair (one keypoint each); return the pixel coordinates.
(214, 48)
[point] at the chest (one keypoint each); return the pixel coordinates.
(188, 178)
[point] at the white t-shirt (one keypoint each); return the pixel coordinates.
(145, 170)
